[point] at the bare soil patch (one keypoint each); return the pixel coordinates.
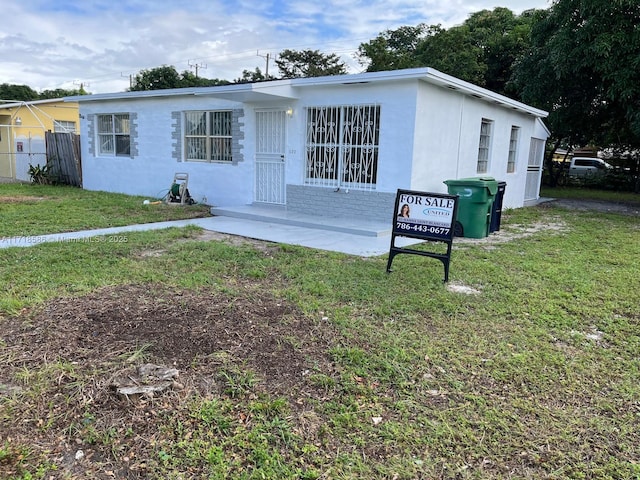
(630, 208)
(20, 199)
(61, 362)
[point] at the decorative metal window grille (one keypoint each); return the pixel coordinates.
(208, 136)
(513, 150)
(342, 146)
(114, 135)
(483, 148)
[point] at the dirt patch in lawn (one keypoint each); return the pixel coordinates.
(624, 208)
(20, 199)
(61, 366)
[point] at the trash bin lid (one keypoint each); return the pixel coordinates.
(489, 182)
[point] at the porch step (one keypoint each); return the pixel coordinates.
(280, 215)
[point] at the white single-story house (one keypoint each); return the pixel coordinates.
(337, 145)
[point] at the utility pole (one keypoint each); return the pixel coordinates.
(196, 66)
(130, 79)
(82, 85)
(266, 57)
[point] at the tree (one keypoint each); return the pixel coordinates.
(188, 79)
(502, 37)
(452, 51)
(168, 77)
(309, 63)
(256, 75)
(61, 92)
(395, 49)
(156, 79)
(21, 93)
(482, 50)
(584, 67)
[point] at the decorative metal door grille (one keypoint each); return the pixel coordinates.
(270, 150)
(342, 146)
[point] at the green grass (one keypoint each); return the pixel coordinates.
(534, 377)
(28, 209)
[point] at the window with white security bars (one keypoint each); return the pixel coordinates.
(208, 136)
(342, 146)
(114, 136)
(484, 146)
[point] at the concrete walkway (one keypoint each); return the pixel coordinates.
(273, 231)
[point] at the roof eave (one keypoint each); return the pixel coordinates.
(453, 83)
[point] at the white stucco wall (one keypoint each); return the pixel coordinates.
(448, 135)
(150, 172)
(428, 134)
(397, 116)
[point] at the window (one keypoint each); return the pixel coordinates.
(208, 136)
(485, 144)
(342, 146)
(64, 126)
(114, 135)
(513, 150)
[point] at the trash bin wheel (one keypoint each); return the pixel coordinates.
(458, 230)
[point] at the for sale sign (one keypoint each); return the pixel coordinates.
(427, 216)
(424, 215)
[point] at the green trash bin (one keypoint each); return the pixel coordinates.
(475, 200)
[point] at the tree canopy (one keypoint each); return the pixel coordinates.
(309, 63)
(482, 50)
(24, 93)
(251, 76)
(167, 76)
(578, 59)
(583, 65)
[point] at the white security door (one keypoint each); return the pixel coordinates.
(270, 150)
(534, 169)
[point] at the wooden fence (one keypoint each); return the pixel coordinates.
(63, 157)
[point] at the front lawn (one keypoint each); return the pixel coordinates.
(294, 363)
(27, 209)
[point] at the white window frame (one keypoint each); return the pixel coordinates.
(114, 134)
(209, 138)
(64, 126)
(484, 146)
(513, 149)
(342, 143)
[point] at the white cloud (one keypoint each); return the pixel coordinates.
(100, 42)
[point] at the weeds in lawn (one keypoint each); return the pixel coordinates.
(306, 364)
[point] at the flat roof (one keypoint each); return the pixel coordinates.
(289, 89)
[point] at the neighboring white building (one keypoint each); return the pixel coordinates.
(339, 145)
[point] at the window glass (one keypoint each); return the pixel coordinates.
(342, 146)
(208, 136)
(484, 146)
(513, 150)
(114, 135)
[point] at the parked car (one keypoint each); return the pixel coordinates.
(587, 166)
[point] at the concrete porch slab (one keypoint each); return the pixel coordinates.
(280, 215)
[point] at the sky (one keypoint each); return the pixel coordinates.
(101, 44)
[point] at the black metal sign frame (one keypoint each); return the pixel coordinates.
(425, 216)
